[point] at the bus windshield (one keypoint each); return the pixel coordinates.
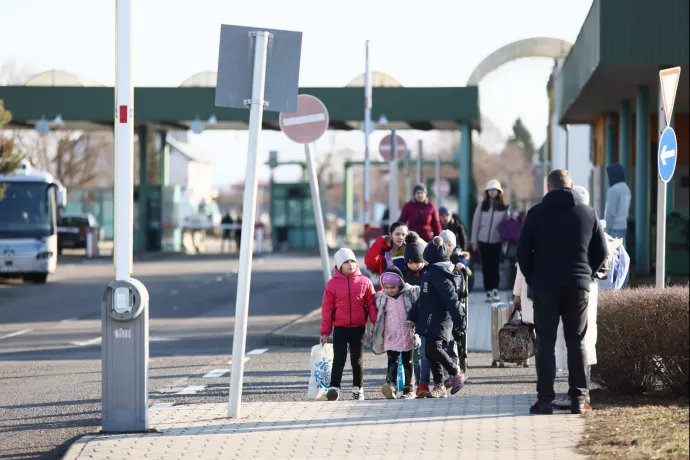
(27, 210)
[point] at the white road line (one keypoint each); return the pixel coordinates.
(87, 342)
(162, 405)
(69, 320)
(214, 374)
(219, 279)
(245, 360)
(163, 339)
(258, 351)
(15, 334)
(174, 292)
(192, 389)
(304, 119)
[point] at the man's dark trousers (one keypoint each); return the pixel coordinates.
(550, 305)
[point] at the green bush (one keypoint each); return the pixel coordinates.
(642, 340)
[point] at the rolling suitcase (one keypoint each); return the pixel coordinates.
(500, 313)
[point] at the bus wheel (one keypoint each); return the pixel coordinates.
(38, 278)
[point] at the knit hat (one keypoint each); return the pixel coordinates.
(448, 237)
(583, 193)
(393, 276)
(342, 256)
(443, 210)
(414, 248)
(436, 251)
(419, 188)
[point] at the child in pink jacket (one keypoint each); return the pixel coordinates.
(348, 302)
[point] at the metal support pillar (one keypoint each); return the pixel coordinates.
(642, 182)
(143, 201)
(624, 138)
(466, 181)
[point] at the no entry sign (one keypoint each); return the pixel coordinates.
(387, 152)
(308, 123)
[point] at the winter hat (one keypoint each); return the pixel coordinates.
(419, 188)
(443, 210)
(342, 256)
(414, 248)
(448, 237)
(493, 184)
(393, 276)
(436, 251)
(583, 193)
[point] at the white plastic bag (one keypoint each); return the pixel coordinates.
(321, 364)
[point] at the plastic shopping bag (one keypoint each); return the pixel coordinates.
(321, 364)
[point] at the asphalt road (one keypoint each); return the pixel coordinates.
(50, 368)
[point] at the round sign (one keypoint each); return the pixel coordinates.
(386, 151)
(444, 188)
(308, 123)
(668, 148)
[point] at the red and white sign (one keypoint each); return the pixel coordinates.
(308, 123)
(386, 151)
(444, 188)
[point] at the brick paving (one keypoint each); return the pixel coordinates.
(470, 427)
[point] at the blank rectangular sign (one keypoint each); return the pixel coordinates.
(236, 65)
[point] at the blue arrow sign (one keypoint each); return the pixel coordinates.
(668, 152)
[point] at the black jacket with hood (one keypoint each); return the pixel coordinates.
(562, 243)
(438, 311)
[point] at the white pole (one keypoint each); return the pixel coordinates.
(420, 159)
(660, 205)
(393, 211)
(367, 129)
(124, 135)
(244, 277)
(408, 177)
(437, 182)
(318, 214)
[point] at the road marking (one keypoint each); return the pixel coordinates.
(194, 286)
(162, 405)
(304, 119)
(214, 374)
(219, 279)
(258, 351)
(69, 320)
(191, 389)
(245, 360)
(87, 342)
(163, 339)
(15, 334)
(174, 292)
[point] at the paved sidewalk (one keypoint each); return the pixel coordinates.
(477, 427)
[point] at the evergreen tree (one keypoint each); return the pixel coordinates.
(9, 159)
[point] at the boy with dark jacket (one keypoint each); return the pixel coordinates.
(436, 314)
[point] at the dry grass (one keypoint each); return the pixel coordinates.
(636, 429)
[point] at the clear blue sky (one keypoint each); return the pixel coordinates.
(431, 43)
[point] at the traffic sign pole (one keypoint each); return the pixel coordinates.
(666, 163)
(367, 131)
(318, 214)
(393, 211)
(244, 276)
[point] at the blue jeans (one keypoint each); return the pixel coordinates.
(621, 234)
(425, 370)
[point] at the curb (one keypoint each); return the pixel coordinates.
(75, 450)
(279, 337)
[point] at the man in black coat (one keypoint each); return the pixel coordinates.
(561, 247)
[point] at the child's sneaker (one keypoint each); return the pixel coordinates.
(423, 391)
(439, 391)
(458, 382)
(494, 296)
(408, 392)
(388, 391)
(358, 394)
(333, 394)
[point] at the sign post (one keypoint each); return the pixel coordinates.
(305, 126)
(393, 148)
(666, 161)
(258, 68)
(125, 314)
(368, 128)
